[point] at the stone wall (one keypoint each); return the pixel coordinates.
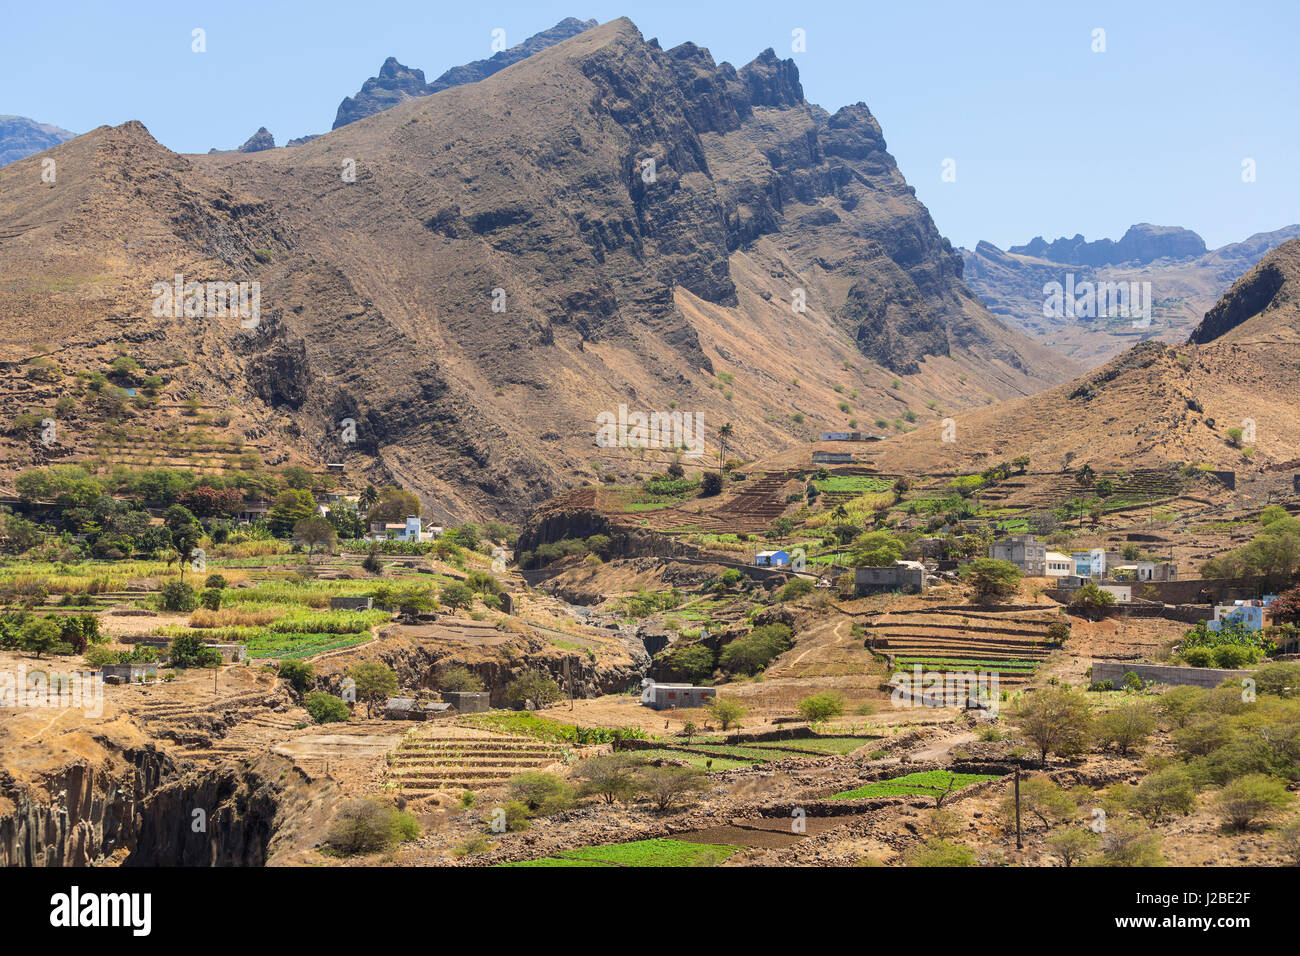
(1163, 673)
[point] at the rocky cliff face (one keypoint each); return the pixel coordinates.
(1264, 301)
(259, 141)
(397, 83)
(20, 137)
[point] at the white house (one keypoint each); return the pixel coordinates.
(411, 530)
(1058, 564)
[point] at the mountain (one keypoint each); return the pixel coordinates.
(397, 83)
(1184, 280)
(474, 277)
(1141, 244)
(20, 136)
(1156, 404)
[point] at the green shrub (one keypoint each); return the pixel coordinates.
(326, 708)
(1245, 800)
(935, 852)
(821, 707)
(795, 588)
(366, 825)
(211, 599)
(186, 650)
(1197, 656)
(459, 679)
(299, 673)
(1235, 656)
(542, 793)
(177, 596)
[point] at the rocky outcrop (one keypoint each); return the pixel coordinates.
(397, 83)
(259, 141)
(20, 137)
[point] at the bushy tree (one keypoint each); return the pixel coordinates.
(992, 580)
(456, 595)
(754, 651)
(368, 825)
(609, 776)
(727, 712)
(542, 793)
(186, 650)
(535, 685)
(1055, 720)
(177, 596)
(1163, 792)
(458, 678)
(1250, 798)
(669, 786)
(1127, 725)
(374, 682)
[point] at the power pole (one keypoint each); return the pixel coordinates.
(1019, 842)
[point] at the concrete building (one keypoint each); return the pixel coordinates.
(130, 673)
(832, 458)
(468, 701)
(772, 559)
(351, 603)
(1024, 551)
(899, 576)
(408, 708)
(672, 696)
(1123, 592)
(410, 530)
(1057, 564)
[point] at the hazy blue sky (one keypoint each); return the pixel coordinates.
(1047, 136)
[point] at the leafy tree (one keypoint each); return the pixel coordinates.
(1163, 792)
(297, 478)
(535, 685)
(315, 532)
(821, 707)
(993, 580)
(669, 786)
(289, 508)
(609, 776)
(1055, 720)
(325, 708)
(710, 484)
(393, 505)
(1249, 798)
(1040, 797)
(1073, 845)
(1127, 726)
(211, 599)
(1091, 601)
(41, 636)
(728, 712)
(753, 652)
(794, 589)
(367, 825)
(456, 595)
(374, 682)
(690, 662)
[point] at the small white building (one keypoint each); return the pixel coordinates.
(410, 530)
(1058, 564)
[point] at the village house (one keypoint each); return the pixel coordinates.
(772, 559)
(410, 530)
(1252, 615)
(899, 576)
(672, 696)
(1024, 551)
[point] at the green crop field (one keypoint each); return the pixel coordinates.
(926, 784)
(640, 853)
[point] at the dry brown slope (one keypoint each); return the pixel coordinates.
(377, 294)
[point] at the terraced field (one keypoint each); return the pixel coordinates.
(955, 639)
(930, 783)
(428, 761)
(711, 755)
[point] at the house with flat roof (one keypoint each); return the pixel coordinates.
(1024, 551)
(1057, 564)
(772, 559)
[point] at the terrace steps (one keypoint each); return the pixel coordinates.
(423, 765)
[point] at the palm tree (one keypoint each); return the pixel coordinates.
(724, 433)
(368, 497)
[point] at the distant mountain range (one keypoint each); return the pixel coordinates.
(1186, 279)
(20, 137)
